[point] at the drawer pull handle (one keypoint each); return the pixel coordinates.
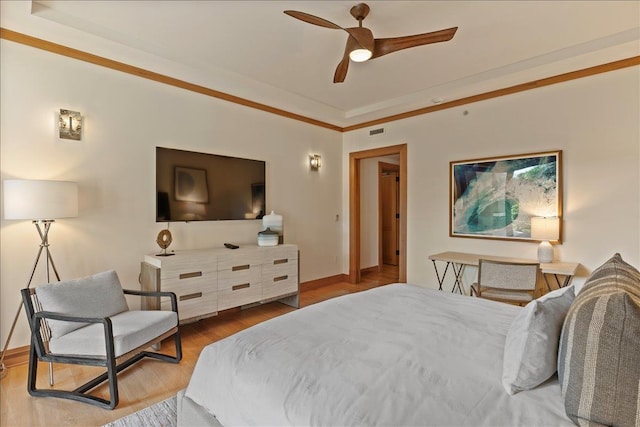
(190, 275)
(237, 287)
(279, 278)
(240, 267)
(190, 296)
(281, 261)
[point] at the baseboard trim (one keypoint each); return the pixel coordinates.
(325, 281)
(372, 269)
(16, 356)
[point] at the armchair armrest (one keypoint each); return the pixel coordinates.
(65, 317)
(172, 295)
(106, 323)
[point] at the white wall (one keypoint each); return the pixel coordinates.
(595, 121)
(126, 117)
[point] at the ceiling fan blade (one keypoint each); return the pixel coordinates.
(343, 66)
(341, 70)
(390, 45)
(312, 19)
(363, 36)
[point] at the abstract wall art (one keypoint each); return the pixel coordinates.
(496, 197)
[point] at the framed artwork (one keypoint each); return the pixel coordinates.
(496, 197)
(191, 185)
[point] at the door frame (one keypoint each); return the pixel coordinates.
(354, 208)
(384, 167)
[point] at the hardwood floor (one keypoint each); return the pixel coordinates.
(149, 381)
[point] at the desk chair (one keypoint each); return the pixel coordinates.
(509, 282)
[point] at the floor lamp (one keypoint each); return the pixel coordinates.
(42, 202)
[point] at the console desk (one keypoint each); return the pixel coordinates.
(206, 281)
(458, 261)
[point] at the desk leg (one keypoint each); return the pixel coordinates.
(441, 280)
(565, 282)
(458, 278)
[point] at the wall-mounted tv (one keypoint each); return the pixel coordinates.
(193, 186)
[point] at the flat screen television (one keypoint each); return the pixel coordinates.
(193, 186)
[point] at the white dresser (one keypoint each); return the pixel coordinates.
(206, 281)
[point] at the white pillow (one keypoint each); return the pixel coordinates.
(531, 347)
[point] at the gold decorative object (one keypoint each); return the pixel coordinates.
(164, 240)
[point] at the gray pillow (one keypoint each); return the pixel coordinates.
(599, 357)
(531, 347)
(99, 295)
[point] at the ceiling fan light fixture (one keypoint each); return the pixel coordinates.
(360, 55)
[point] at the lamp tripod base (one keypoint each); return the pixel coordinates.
(43, 227)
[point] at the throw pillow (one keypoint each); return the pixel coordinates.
(599, 357)
(531, 347)
(99, 295)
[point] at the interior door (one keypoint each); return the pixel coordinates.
(389, 213)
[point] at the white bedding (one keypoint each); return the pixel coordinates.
(398, 355)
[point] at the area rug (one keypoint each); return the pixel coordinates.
(162, 414)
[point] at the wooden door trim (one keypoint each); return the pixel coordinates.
(354, 208)
(382, 167)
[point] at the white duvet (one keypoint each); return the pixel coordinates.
(398, 355)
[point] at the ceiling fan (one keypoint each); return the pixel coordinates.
(361, 46)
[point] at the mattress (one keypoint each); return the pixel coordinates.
(398, 355)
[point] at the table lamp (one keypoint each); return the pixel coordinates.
(545, 229)
(42, 202)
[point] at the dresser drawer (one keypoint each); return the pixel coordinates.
(239, 260)
(194, 304)
(239, 294)
(191, 282)
(279, 255)
(279, 279)
(182, 265)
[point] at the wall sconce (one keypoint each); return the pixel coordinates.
(545, 229)
(315, 161)
(70, 125)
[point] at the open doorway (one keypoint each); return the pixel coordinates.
(388, 214)
(355, 207)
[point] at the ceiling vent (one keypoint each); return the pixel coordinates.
(376, 131)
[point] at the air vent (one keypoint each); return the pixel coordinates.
(376, 131)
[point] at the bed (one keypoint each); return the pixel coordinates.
(399, 355)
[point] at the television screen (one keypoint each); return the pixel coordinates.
(194, 186)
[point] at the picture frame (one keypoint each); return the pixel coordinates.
(496, 197)
(191, 185)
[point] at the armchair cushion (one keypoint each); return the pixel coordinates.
(131, 329)
(99, 295)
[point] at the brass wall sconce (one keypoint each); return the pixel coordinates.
(315, 161)
(70, 125)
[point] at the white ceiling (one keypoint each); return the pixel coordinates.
(252, 49)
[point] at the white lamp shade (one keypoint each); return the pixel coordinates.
(40, 200)
(545, 228)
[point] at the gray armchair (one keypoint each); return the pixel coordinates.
(88, 322)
